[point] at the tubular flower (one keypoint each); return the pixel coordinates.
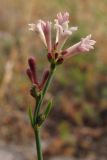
(85, 45)
(44, 29)
(62, 29)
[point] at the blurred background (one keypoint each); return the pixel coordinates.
(77, 126)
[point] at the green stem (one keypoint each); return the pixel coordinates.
(38, 144)
(43, 93)
(36, 113)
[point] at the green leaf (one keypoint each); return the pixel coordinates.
(30, 115)
(48, 109)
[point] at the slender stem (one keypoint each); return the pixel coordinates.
(38, 144)
(36, 113)
(43, 93)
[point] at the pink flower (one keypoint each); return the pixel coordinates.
(62, 29)
(85, 45)
(62, 18)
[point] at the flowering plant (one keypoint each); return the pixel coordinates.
(56, 56)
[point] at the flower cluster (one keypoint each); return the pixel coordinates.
(56, 55)
(63, 31)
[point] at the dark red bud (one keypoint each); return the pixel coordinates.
(49, 56)
(60, 60)
(64, 52)
(29, 73)
(32, 63)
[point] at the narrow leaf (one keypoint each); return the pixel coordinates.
(30, 115)
(48, 109)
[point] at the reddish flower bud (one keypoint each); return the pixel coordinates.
(29, 73)
(32, 63)
(44, 79)
(60, 60)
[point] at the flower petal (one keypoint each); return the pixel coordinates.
(40, 30)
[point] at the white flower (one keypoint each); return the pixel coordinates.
(44, 30)
(40, 30)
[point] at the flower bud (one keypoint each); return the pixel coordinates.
(29, 73)
(32, 63)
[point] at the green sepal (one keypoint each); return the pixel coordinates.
(30, 115)
(48, 109)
